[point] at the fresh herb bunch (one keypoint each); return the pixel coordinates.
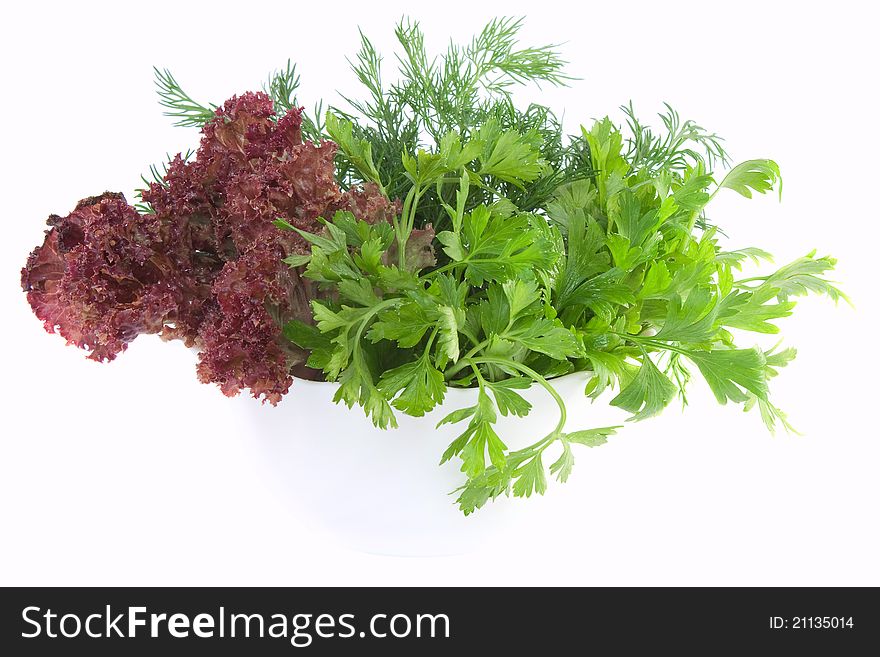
(464, 243)
(559, 253)
(615, 278)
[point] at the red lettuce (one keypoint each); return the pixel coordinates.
(206, 266)
(106, 274)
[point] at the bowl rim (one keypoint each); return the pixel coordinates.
(299, 382)
(311, 383)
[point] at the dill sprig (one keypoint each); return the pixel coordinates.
(179, 104)
(457, 90)
(684, 144)
(461, 90)
(281, 87)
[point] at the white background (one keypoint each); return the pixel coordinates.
(130, 473)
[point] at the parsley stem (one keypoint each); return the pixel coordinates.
(464, 262)
(463, 362)
(751, 280)
(372, 312)
(528, 371)
(407, 222)
(430, 342)
(650, 342)
(440, 270)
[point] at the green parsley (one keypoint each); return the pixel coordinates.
(554, 254)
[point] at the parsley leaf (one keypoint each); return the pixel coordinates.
(753, 175)
(647, 394)
(414, 388)
(592, 254)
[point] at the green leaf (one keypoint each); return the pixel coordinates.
(455, 155)
(690, 321)
(730, 371)
(591, 437)
(475, 223)
(495, 446)
(630, 221)
(494, 311)
(803, 276)
(606, 143)
(600, 293)
(473, 454)
(770, 415)
(584, 257)
(508, 156)
(405, 324)
(753, 175)
(447, 342)
(531, 478)
(357, 231)
(725, 280)
(496, 247)
(696, 267)
(508, 401)
(305, 335)
(647, 394)
(478, 438)
(521, 294)
(627, 257)
(335, 242)
(283, 224)
(691, 195)
(326, 319)
(458, 415)
(415, 387)
(455, 447)
(452, 245)
(356, 386)
(657, 281)
(474, 494)
(547, 337)
(393, 279)
(319, 345)
(332, 264)
(339, 357)
(448, 291)
(608, 368)
(370, 257)
(358, 151)
(425, 167)
(735, 258)
(776, 359)
(461, 196)
(178, 104)
(683, 146)
(569, 205)
(563, 465)
(360, 291)
(297, 260)
(751, 312)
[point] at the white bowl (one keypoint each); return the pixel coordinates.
(382, 491)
